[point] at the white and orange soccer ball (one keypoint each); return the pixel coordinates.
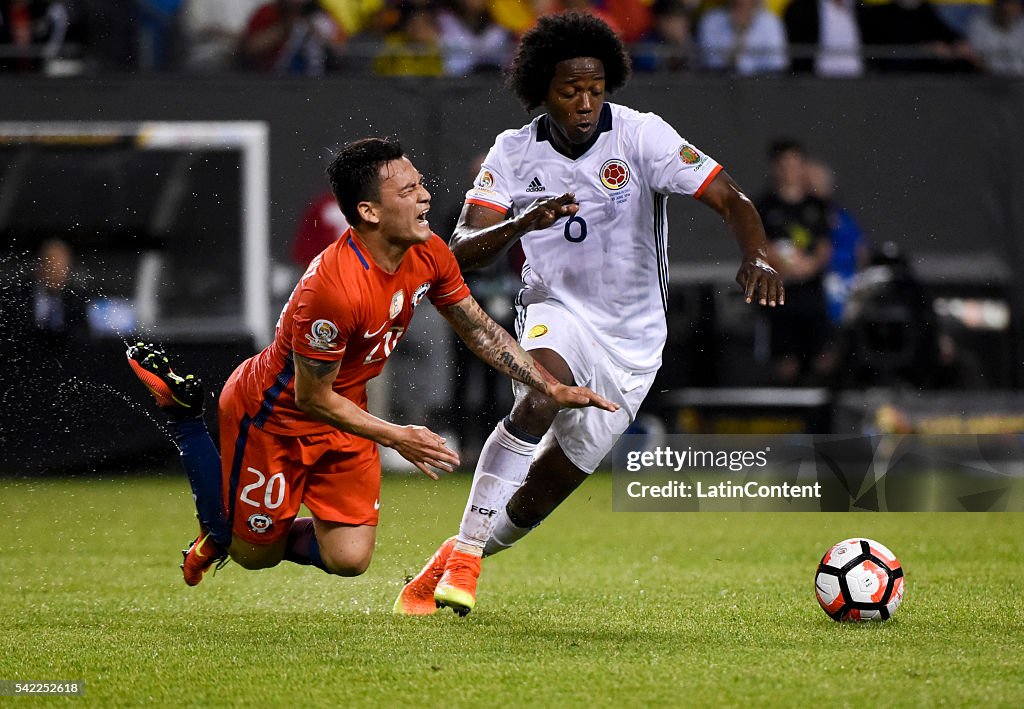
(859, 579)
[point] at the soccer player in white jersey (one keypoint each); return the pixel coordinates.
(584, 188)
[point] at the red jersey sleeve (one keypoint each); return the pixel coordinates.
(449, 287)
(322, 322)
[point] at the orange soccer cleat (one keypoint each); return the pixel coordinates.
(457, 587)
(181, 397)
(201, 554)
(417, 596)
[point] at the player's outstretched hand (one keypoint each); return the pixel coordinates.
(761, 281)
(422, 447)
(545, 211)
(577, 397)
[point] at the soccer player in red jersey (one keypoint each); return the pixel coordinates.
(293, 421)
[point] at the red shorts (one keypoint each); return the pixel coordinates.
(267, 476)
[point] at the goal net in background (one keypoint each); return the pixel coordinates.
(168, 220)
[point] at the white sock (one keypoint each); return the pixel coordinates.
(504, 463)
(504, 534)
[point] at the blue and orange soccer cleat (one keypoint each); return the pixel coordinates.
(201, 554)
(417, 596)
(457, 587)
(181, 397)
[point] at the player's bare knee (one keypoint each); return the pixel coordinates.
(534, 411)
(347, 559)
(350, 571)
(347, 564)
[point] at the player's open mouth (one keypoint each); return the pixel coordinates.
(582, 130)
(422, 217)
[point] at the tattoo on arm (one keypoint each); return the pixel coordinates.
(461, 320)
(520, 372)
(316, 367)
(491, 343)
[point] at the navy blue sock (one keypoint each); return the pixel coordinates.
(302, 547)
(518, 432)
(201, 461)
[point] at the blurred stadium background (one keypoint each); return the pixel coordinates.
(180, 195)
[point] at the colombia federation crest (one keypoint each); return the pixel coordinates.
(615, 174)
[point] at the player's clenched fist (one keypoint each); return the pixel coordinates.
(422, 447)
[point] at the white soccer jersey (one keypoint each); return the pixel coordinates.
(609, 263)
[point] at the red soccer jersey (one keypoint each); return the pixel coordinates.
(346, 308)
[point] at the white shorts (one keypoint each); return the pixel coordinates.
(584, 435)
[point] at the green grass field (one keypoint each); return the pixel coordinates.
(593, 609)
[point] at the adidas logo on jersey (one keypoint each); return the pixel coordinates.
(535, 186)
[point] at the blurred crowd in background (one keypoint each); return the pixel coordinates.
(841, 38)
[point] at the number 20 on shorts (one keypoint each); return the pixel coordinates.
(273, 494)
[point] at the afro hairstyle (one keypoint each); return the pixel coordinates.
(556, 38)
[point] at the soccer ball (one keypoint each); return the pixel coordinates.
(859, 579)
